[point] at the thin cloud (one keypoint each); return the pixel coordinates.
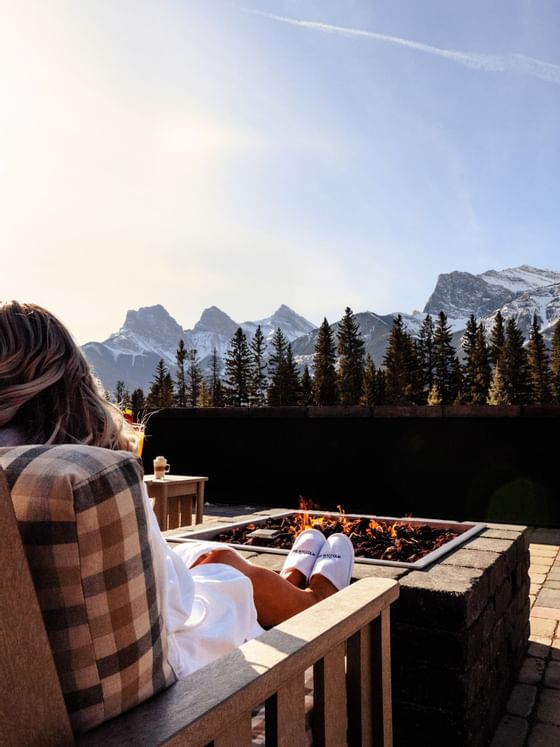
(509, 63)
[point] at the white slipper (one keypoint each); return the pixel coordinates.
(304, 552)
(335, 560)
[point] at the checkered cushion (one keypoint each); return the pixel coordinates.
(82, 522)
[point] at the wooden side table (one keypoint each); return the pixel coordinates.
(173, 498)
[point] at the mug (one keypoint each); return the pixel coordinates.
(161, 467)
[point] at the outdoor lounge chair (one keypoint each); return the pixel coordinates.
(64, 498)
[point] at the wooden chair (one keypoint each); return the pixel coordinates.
(345, 638)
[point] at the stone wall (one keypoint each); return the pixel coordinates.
(459, 635)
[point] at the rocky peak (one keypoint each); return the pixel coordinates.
(147, 329)
(460, 294)
(214, 319)
(284, 316)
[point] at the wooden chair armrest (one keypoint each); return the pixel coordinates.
(220, 697)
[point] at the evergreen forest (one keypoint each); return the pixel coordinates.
(499, 367)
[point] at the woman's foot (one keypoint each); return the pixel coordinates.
(302, 557)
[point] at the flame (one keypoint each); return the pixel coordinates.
(303, 520)
(390, 529)
(306, 520)
(345, 523)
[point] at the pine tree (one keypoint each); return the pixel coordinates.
(456, 382)
(515, 366)
(555, 364)
(293, 384)
(444, 359)
(205, 397)
(497, 338)
(468, 343)
(476, 368)
(325, 388)
(497, 393)
(425, 354)
(483, 371)
(369, 394)
(306, 395)
(138, 404)
(258, 375)
(238, 370)
(277, 368)
(284, 387)
(122, 395)
(434, 396)
(350, 359)
(168, 398)
(181, 380)
(216, 387)
(161, 389)
(395, 363)
(194, 377)
(414, 390)
(539, 369)
(381, 387)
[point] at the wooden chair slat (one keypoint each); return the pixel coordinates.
(329, 698)
(285, 714)
(237, 734)
(381, 695)
(359, 680)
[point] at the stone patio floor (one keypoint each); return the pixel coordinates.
(532, 717)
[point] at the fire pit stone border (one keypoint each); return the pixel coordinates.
(465, 531)
(459, 634)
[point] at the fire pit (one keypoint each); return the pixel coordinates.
(459, 629)
(381, 540)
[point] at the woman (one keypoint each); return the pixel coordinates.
(212, 599)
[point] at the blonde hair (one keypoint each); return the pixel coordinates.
(47, 389)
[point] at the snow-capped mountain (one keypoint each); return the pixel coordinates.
(460, 294)
(544, 302)
(213, 331)
(521, 279)
(148, 330)
(291, 324)
(131, 354)
(150, 333)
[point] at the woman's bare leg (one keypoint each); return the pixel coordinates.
(295, 577)
(276, 597)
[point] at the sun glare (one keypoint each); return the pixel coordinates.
(199, 139)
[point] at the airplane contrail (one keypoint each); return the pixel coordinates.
(508, 63)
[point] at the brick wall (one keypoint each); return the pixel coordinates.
(459, 635)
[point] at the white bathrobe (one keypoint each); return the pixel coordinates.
(208, 610)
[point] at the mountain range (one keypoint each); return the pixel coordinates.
(150, 333)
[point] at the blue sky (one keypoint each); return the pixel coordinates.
(318, 153)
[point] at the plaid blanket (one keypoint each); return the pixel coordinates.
(82, 522)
